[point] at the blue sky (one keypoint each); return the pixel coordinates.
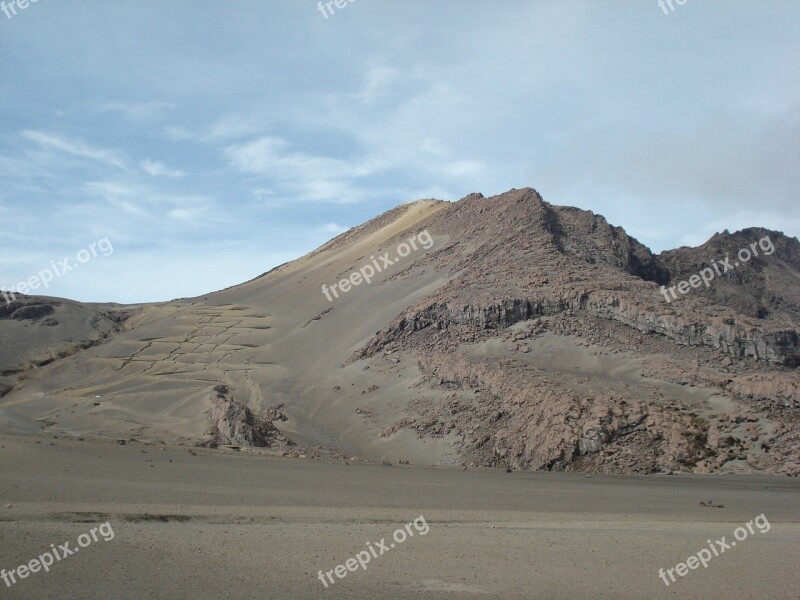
(211, 141)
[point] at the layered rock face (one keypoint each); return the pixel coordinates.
(533, 259)
(526, 273)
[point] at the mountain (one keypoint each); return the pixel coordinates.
(502, 331)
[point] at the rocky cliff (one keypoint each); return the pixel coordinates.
(524, 271)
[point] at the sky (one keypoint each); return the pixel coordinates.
(207, 142)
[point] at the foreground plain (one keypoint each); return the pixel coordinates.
(220, 524)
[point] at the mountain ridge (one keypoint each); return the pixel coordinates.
(433, 361)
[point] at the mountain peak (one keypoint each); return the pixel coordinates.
(507, 332)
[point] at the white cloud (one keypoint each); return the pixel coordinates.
(261, 193)
(127, 198)
(309, 177)
(270, 156)
(75, 148)
(227, 128)
(147, 202)
(157, 169)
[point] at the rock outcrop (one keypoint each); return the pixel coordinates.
(233, 424)
(517, 261)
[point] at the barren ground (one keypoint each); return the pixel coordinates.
(220, 524)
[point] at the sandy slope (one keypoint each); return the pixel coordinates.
(220, 525)
(153, 381)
